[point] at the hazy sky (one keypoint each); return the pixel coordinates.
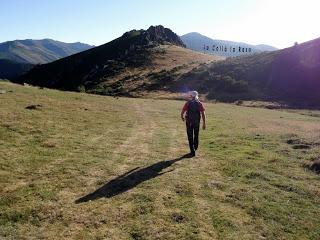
(275, 22)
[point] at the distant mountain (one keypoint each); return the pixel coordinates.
(139, 60)
(11, 70)
(290, 75)
(265, 48)
(201, 43)
(39, 51)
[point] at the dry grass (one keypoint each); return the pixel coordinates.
(173, 58)
(247, 182)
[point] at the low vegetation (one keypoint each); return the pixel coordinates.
(82, 166)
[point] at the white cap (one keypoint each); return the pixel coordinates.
(194, 94)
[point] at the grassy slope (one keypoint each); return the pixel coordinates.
(246, 182)
(170, 59)
(107, 70)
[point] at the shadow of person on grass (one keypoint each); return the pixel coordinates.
(130, 180)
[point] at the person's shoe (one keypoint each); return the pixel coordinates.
(190, 154)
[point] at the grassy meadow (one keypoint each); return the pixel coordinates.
(81, 166)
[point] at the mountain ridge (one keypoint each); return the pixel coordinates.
(140, 64)
(202, 43)
(39, 51)
(135, 49)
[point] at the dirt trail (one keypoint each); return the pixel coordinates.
(137, 145)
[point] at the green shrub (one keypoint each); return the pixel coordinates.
(81, 89)
(225, 83)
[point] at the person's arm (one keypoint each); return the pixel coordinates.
(203, 115)
(184, 109)
(182, 115)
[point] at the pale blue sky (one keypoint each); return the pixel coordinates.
(278, 23)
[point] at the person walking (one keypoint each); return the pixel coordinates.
(191, 113)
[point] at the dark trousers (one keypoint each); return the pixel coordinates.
(193, 135)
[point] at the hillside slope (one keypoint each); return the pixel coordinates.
(39, 51)
(138, 61)
(155, 61)
(82, 166)
(12, 70)
(290, 75)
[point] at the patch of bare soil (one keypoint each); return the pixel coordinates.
(315, 166)
(34, 107)
(299, 144)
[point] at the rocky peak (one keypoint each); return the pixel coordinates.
(160, 35)
(155, 35)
